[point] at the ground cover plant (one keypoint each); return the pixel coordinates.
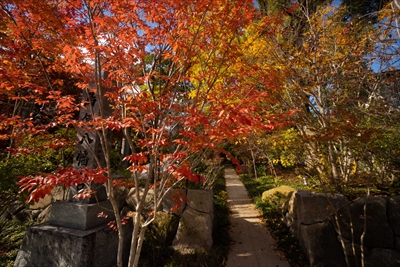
(11, 235)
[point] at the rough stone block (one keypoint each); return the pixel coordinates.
(46, 245)
(315, 208)
(42, 203)
(196, 224)
(194, 232)
(397, 242)
(320, 245)
(378, 234)
(383, 257)
(394, 213)
(80, 216)
(201, 200)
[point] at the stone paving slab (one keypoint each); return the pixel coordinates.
(252, 245)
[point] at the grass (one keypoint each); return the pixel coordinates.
(285, 240)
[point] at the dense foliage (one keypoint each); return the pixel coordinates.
(116, 91)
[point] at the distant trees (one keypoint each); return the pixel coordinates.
(334, 85)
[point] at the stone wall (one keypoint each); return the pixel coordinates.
(330, 228)
(75, 236)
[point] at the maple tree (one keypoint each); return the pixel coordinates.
(164, 75)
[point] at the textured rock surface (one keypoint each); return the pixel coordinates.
(383, 258)
(80, 216)
(319, 243)
(379, 232)
(46, 245)
(44, 216)
(196, 224)
(315, 208)
(381, 242)
(394, 213)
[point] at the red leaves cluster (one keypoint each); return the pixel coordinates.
(113, 224)
(41, 185)
(183, 171)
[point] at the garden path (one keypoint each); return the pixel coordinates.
(252, 244)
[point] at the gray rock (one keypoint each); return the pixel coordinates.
(59, 193)
(394, 213)
(201, 200)
(353, 252)
(175, 201)
(315, 208)
(44, 215)
(397, 242)
(47, 246)
(194, 232)
(42, 203)
(99, 193)
(379, 232)
(80, 216)
(196, 224)
(320, 245)
(292, 208)
(383, 258)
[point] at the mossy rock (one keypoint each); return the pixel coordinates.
(279, 196)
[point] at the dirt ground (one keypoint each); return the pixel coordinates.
(252, 245)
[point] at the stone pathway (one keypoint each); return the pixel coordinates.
(252, 245)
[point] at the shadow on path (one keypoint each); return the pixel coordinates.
(252, 245)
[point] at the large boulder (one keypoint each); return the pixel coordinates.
(378, 233)
(290, 217)
(353, 252)
(319, 243)
(316, 208)
(397, 242)
(196, 224)
(383, 257)
(394, 213)
(46, 245)
(279, 196)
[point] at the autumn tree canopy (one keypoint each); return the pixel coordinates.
(157, 75)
